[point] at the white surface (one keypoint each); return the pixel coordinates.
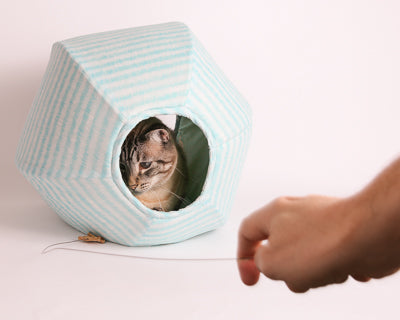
(322, 78)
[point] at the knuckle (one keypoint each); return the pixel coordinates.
(296, 288)
(280, 202)
(341, 279)
(244, 225)
(299, 284)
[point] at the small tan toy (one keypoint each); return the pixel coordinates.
(91, 238)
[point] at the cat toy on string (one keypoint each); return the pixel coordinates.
(95, 90)
(122, 252)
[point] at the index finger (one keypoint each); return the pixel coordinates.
(253, 230)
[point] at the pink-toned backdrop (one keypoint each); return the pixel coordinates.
(323, 80)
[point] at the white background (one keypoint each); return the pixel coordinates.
(322, 78)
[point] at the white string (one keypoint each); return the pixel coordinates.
(52, 247)
(45, 250)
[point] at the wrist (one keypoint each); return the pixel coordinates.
(372, 237)
(351, 216)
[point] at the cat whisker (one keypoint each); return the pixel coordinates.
(175, 195)
(137, 150)
(159, 201)
(180, 172)
(186, 177)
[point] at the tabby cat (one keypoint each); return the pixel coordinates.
(153, 166)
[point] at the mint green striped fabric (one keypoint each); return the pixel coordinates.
(96, 88)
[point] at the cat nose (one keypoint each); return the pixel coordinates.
(133, 183)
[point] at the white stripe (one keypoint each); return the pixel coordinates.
(223, 83)
(131, 51)
(75, 117)
(183, 229)
(123, 209)
(108, 46)
(83, 155)
(93, 151)
(229, 180)
(231, 90)
(145, 73)
(161, 80)
(98, 161)
(108, 208)
(132, 103)
(91, 210)
(23, 145)
(56, 148)
(224, 99)
(67, 113)
(208, 112)
(179, 223)
(50, 116)
(42, 109)
(112, 37)
(86, 212)
(135, 55)
(60, 207)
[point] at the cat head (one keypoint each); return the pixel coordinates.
(148, 156)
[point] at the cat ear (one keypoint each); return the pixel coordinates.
(160, 135)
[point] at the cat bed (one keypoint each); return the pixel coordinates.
(96, 88)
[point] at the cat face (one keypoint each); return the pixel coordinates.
(148, 156)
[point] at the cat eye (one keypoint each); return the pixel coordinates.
(145, 165)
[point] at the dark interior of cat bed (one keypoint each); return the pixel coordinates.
(192, 145)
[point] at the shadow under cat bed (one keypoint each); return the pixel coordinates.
(164, 162)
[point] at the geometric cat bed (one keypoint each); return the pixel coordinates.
(95, 90)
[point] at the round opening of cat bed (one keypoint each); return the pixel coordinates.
(164, 162)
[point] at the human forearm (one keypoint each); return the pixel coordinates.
(383, 193)
(317, 240)
(375, 242)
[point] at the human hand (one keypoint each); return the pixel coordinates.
(313, 241)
